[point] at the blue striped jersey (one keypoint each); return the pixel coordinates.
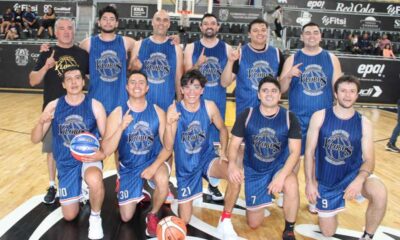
(107, 66)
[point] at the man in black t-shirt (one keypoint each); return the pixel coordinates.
(49, 69)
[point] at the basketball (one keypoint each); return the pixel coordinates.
(83, 145)
(171, 228)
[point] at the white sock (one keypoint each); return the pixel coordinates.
(95, 214)
(52, 184)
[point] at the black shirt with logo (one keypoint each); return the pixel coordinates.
(64, 57)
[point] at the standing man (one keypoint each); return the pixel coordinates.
(339, 161)
(309, 76)
(273, 141)
(251, 63)
(68, 116)
(108, 61)
(187, 131)
(209, 55)
(49, 69)
(136, 129)
(161, 61)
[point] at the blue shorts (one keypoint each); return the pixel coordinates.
(256, 187)
(70, 181)
(131, 184)
(190, 186)
(304, 122)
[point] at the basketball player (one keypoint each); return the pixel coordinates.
(49, 69)
(209, 55)
(137, 129)
(68, 116)
(108, 53)
(272, 136)
(187, 131)
(161, 61)
(339, 161)
(251, 63)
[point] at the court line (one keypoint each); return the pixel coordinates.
(9, 130)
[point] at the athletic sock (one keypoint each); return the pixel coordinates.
(289, 226)
(94, 214)
(52, 184)
(225, 214)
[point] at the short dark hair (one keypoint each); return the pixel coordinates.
(109, 9)
(269, 79)
(310, 24)
(73, 68)
(192, 75)
(136, 72)
(347, 79)
(258, 20)
(206, 15)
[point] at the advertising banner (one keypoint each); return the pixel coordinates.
(62, 9)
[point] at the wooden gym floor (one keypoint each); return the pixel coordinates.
(24, 176)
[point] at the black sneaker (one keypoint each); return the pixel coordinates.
(391, 147)
(216, 195)
(50, 197)
(288, 235)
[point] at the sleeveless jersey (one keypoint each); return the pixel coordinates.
(212, 70)
(253, 67)
(312, 91)
(107, 64)
(191, 144)
(338, 155)
(266, 140)
(140, 142)
(69, 121)
(159, 64)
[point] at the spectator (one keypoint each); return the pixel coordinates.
(352, 44)
(278, 18)
(365, 44)
(7, 19)
(12, 32)
(382, 43)
(29, 19)
(47, 22)
(388, 52)
(18, 18)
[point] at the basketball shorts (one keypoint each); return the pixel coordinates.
(131, 184)
(70, 181)
(190, 186)
(47, 141)
(304, 122)
(256, 187)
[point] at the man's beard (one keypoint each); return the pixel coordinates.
(108, 31)
(212, 34)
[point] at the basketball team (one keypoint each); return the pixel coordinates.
(149, 98)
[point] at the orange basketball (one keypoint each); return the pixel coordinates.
(171, 228)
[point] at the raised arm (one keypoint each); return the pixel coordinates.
(227, 76)
(179, 71)
(288, 72)
(44, 122)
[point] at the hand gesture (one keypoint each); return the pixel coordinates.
(172, 114)
(235, 53)
(46, 117)
(50, 62)
(176, 40)
(353, 189)
(135, 64)
(202, 59)
(45, 47)
(126, 120)
(276, 184)
(312, 192)
(235, 174)
(295, 71)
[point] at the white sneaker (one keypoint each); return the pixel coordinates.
(279, 200)
(226, 231)
(95, 228)
(312, 208)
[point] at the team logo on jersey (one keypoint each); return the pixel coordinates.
(157, 68)
(193, 138)
(212, 71)
(21, 56)
(266, 145)
(338, 147)
(72, 126)
(258, 71)
(313, 80)
(63, 63)
(141, 139)
(109, 66)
